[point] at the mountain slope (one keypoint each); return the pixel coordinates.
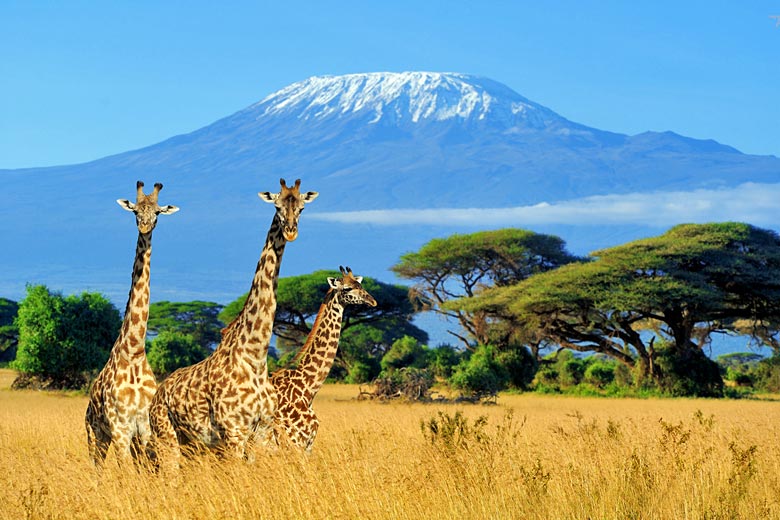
(364, 141)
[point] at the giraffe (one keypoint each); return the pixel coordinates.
(118, 409)
(296, 388)
(221, 401)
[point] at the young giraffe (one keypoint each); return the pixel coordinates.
(221, 401)
(296, 388)
(118, 410)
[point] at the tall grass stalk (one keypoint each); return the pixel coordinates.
(530, 457)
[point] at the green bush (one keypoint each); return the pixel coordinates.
(360, 372)
(404, 352)
(767, 374)
(442, 360)
(688, 373)
(520, 366)
(64, 340)
(9, 331)
(600, 373)
(573, 371)
(172, 350)
(481, 374)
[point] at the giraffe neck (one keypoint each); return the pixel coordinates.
(315, 358)
(132, 337)
(251, 330)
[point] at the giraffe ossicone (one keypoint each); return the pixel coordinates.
(296, 422)
(119, 399)
(223, 401)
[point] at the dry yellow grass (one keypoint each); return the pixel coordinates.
(557, 457)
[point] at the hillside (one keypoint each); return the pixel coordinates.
(380, 141)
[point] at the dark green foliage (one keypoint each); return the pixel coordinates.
(171, 350)
(9, 331)
(481, 374)
(442, 360)
(198, 319)
(767, 374)
(405, 352)
(600, 374)
(462, 265)
(360, 350)
(588, 375)
(681, 286)
(361, 371)
(572, 371)
(64, 339)
(232, 309)
(520, 366)
(690, 373)
(741, 368)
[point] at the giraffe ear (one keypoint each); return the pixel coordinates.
(126, 204)
(359, 279)
(310, 196)
(168, 210)
(334, 283)
(267, 196)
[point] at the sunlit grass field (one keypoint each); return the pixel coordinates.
(532, 457)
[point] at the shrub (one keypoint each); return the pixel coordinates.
(688, 373)
(600, 374)
(520, 366)
(360, 372)
(767, 374)
(442, 361)
(64, 340)
(172, 350)
(482, 374)
(404, 352)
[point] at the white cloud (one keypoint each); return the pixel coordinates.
(758, 204)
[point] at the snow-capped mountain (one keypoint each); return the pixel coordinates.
(373, 141)
(409, 97)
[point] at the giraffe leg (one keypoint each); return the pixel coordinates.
(97, 441)
(311, 434)
(163, 446)
(234, 444)
(141, 447)
(122, 440)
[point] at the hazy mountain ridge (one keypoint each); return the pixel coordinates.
(364, 141)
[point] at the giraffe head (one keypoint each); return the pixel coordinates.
(146, 208)
(349, 290)
(289, 203)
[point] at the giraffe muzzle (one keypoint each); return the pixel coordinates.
(290, 233)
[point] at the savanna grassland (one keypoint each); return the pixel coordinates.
(528, 457)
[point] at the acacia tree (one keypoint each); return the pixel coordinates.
(198, 319)
(461, 266)
(654, 304)
(366, 332)
(62, 339)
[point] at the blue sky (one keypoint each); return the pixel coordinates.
(82, 80)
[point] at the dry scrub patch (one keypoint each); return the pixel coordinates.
(528, 457)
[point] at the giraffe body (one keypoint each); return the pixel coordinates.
(119, 399)
(296, 422)
(222, 401)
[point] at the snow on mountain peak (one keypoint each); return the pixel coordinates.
(413, 96)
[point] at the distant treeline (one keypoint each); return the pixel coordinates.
(640, 315)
